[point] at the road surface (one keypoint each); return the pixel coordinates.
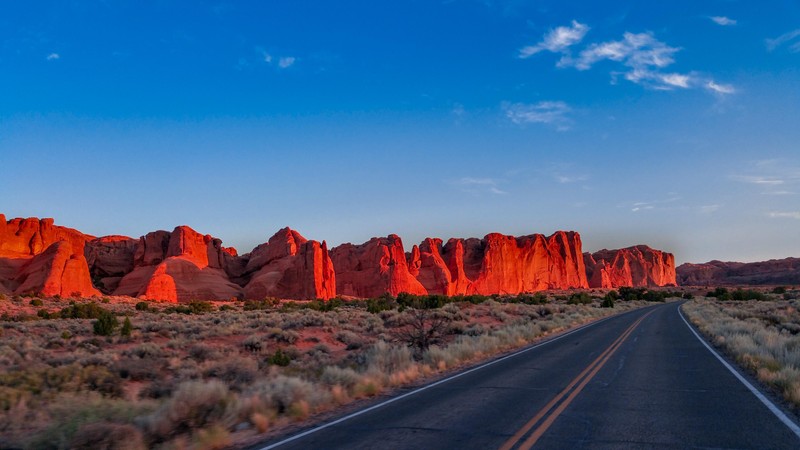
(638, 380)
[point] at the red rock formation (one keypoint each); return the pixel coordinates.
(638, 266)
(56, 271)
(290, 266)
(499, 264)
(373, 268)
(715, 273)
(28, 237)
(110, 258)
(40, 257)
(179, 266)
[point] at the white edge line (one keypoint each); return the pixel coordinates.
(767, 402)
(423, 388)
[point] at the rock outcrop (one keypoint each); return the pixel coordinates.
(290, 266)
(637, 266)
(500, 264)
(718, 273)
(180, 266)
(373, 268)
(37, 256)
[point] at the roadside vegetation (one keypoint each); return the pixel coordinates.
(760, 329)
(121, 373)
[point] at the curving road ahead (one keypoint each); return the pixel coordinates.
(638, 380)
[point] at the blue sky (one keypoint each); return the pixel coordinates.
(674, 124)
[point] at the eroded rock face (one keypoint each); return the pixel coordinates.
(290, 266)
(37, 256)
(373, 268)
(31, 236)
(56, 271)
(637, 266)
(180, 266)
(500, 264)
(110, 258)
(717, 273)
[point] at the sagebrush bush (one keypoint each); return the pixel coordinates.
(194, 405)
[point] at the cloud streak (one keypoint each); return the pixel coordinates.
(723, 21)
(790, 37)
(546, 112)
(53, 57)
(557, 40)
(476, 185)
(643, 59)
(785, 215)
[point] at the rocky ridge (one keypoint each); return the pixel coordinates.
(181, 265)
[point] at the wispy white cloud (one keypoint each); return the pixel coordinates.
(759, 179)
(785, 215)
(566, 179)
(53, 57)
(286, 62)
(794, 47)
(557, 40)
(722, 20)
(547, 112)
(720, 88)
(643, 59)
(476, 185)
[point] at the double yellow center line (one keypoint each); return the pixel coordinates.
(547, 415)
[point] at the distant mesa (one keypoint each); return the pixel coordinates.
(718, 273)
(182, 265)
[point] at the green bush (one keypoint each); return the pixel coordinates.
(127, 328)
(608, 301)
(193, 307)
(579, 298)
(142, 306)
(780, 290)
(36, 302)
(83, 311)
(105, 324)
(279, 358)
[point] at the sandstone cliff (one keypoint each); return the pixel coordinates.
(500, 264)
(290, 266)
(638, 266)
(37, 256)
(373, 268)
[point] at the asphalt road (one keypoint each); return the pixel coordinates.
(638, 380)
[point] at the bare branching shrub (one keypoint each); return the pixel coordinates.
(422, 328)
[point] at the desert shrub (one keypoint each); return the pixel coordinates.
(43, 313)
(780, 290)
(382, 303)
(227, 308)
(83, 311)
(608, 302)
(352, 340)
(235, 371)
(146, 350)
(535, 299)
(386, 359)
(127, 328)
(747, 294)
(267, 303)
(687, 296)
(193, 307)
(579, 298)
(720, 293)
(194, 405)
(421, 328)
(253, 344)
(202, 352)
(340, 376)
(654, 296)
(287, 336)
(107, 435)
(106, 324)
(137, 369)
(142, 306)
(36, 302)
(279, 358)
